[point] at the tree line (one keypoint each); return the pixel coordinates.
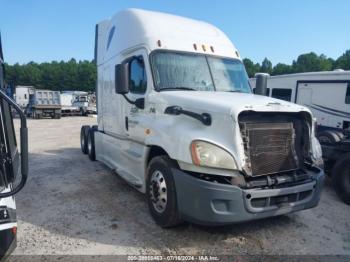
(82, 75)
(310, 62)
(60, 76)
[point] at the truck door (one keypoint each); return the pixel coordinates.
(11, 162)
(135, 118)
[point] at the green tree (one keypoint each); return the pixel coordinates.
(281, 69)
(343, 62)
(266, 66)
(250, 67)
(311, 62)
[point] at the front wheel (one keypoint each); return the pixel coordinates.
(341, 178)
(161, 192)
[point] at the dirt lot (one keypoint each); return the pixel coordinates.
(71, 205)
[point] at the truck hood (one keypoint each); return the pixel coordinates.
(227, 102)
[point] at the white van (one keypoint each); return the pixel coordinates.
(178, 121)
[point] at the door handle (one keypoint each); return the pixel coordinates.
(127, 123)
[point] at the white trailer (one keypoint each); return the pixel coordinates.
(178, 121)
(22, 94)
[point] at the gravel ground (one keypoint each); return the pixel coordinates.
(71, 205)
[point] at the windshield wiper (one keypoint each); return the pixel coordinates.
(178, 88)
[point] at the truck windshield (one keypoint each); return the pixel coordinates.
(181, 71)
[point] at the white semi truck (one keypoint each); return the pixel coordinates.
(177, 119)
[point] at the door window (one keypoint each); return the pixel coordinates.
(283, 94)
(137, 76)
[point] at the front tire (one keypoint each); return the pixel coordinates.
(341, 178)
(161, 192)
(84, 132)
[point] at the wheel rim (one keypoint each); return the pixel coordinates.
(158, 191)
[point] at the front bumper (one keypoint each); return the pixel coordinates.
(210, 203)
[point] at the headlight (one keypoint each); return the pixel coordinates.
(207, 154)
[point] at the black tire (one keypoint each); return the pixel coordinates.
(84, 132)
(170, 216)
(341, 178)
(91, 144)
(340, 134)
(328, 137)
(83, 112)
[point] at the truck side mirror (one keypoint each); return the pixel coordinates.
(122, 78)
(261, 84)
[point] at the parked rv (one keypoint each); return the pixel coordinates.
(14, 167)
(327, 95)
(178, 121)
(44, 103)
(86, 103)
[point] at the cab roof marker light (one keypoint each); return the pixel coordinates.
(204, 49)
(195, 47)
(159, 43)
(212, 48)
(237, 54)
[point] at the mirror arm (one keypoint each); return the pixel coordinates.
(127, 99)
(139, 103)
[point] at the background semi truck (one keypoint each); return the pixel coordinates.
(177, 119)
(85, 102)
(14, 167)
(67, 99)
(327, 95)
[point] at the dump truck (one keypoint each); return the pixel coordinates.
(44, 103)
(177, 119)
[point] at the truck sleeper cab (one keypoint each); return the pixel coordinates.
(178, 121)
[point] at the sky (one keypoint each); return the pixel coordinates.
(47, 30)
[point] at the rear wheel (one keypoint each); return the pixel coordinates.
(84, 132)
(161, 192)
(328, 137)
(341, 178)
(91, 144)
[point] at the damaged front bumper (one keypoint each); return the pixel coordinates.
(210, 203)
